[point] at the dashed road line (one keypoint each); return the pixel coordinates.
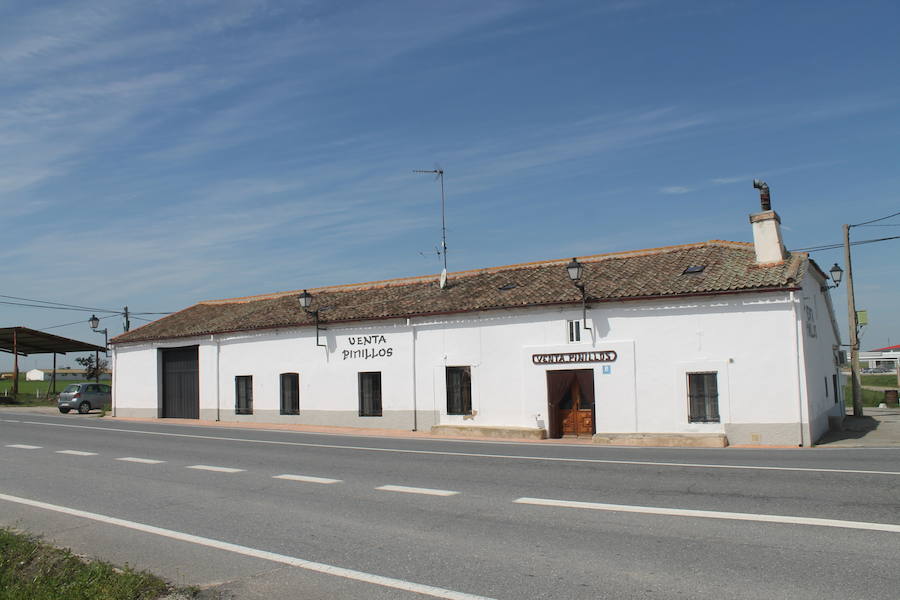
(416, 490)
(143, 461)
(601, 461)
(389, 582)
(23, 446)
(306, 478)
(216, 469)
(711, 514)
(76, 452)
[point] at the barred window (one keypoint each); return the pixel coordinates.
(370, 394)
(243, 395)
(290, 393)
(574, 331)
(703, 394)
(459, 391)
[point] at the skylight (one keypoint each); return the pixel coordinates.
(693, 269)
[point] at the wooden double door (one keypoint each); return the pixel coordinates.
(570, 401)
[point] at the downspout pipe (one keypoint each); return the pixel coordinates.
(798, 365)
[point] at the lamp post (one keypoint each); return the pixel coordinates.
(95, 323)
(305, 300)
(575, 270)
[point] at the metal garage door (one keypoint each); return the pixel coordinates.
(180, 383)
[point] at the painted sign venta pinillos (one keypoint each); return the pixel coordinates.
(367, 347)
(596, 356)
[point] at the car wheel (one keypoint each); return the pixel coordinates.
(84, 408)
(64, 410)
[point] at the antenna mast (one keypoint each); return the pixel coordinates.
(439, 174)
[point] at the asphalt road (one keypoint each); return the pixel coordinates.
(267, 514)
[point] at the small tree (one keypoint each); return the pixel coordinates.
(93, 369)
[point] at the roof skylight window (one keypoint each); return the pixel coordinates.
(693, 269)
(507, 286)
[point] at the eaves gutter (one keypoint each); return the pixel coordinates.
(465, 311)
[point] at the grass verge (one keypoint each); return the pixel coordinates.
(879, 380)
(869, 397)
(33, 570)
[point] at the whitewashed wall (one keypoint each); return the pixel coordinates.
(748, 339)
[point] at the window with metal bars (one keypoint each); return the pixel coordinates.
(574, 331)
(703, 395)
(290, 393)
(370, 394)
(459, 391)
(243, 395)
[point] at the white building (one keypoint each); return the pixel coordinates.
(709, 343)
(62, 375)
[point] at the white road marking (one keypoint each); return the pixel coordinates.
(76, 452)
(474, 454)
(143, 461)
(11, 421)
(216, 469)
(711, 514)
(306, 478)
(389, 582)
(23, 446)
(415, 490)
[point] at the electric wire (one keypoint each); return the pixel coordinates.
(876, 220)
(63, 304)
(835, 246)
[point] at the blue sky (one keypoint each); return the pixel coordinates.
(155, 154)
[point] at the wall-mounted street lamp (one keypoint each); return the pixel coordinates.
(575, 270)
(837, 274)
(95, 323)
(305, 300)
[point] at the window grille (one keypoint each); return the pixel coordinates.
(459, 391)
(703, 394)
(370, 394)
(574, 331)
(243, 395)
(290, 394)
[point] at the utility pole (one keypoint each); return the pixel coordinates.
(854, 330)
(127, 322)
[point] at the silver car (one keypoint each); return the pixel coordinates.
(84, 397)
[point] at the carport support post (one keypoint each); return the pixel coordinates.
(97, 366)
(15, 365)
(53, 376)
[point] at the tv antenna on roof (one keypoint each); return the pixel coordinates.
(438, 173)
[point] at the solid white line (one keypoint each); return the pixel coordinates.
(216, 469)
(76, 452)
(23, 446)
(415, 490)
(389, 582)
(710, 514)
(143, 461)
(475, 454)
(306, 478)
(11, 421)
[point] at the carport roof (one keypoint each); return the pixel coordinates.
(31, 341)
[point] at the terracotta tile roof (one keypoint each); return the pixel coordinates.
(659, 272)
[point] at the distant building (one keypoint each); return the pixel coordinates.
(62, 375)
(701, 344)
(881, 358)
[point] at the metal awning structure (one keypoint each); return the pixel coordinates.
(24, 341)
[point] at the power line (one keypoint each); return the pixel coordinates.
(876, 220)
(71, 306)
(835, 246)
(72, 323)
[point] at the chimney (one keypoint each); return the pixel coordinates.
(766, 229)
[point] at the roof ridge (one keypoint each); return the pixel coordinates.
(400, 281)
